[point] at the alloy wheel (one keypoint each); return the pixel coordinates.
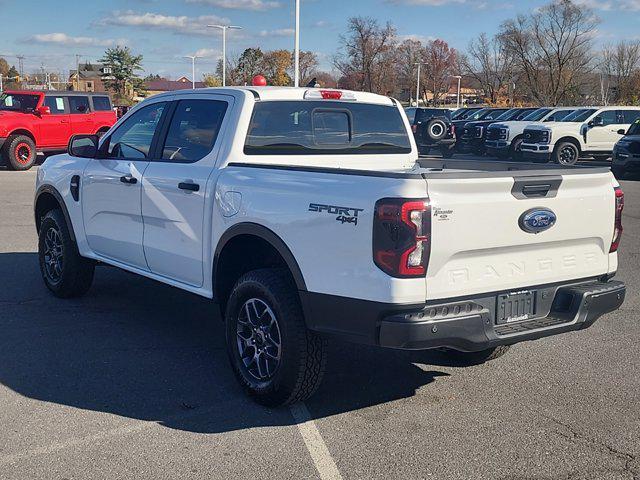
(53, 255)
(258, 339)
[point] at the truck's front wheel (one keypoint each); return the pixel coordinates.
(64, 271)
(19, 152)
(273, 355)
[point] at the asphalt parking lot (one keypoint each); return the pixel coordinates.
(132, 382)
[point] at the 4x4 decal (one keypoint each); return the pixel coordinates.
(344, 214)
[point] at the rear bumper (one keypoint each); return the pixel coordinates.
(626, 161)
(463, 324)
(445, 142)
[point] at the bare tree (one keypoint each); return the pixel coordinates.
(308, 66)
(441, 62)
(552, 49)
(490, 64)
(621, 65)
(408, 54)
(363, 49)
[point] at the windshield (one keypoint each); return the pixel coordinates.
(477, 115)
(536, 115)
(19, 102)
(323, 127)
(634, 129)
(494, 114)
(424, 114)
(579, 115)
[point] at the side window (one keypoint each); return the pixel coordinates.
(609, 117)
(133, 138)
(630, 116)
(78, 104)
(193, 130)
(101, 104)
(55, 104)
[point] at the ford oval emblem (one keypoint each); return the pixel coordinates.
(537, 220)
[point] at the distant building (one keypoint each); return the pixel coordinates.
(162, 85)
(90, 78)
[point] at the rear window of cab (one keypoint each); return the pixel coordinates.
(325, 127)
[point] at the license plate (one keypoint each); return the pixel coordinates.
(515, 307)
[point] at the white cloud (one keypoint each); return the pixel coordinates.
(281, 32)
(416, 37)
(64, 39)
(256, 5)
(207, 53)
(177, 24)
(607, 5)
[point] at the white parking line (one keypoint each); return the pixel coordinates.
(318, 450)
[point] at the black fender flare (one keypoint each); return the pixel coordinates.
(52, 191)
(249, 228)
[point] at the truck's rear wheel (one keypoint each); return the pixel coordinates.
(63, 270)
(19, 152)
(273, 355)
(476, 358)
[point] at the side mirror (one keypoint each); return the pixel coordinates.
(622, 131)
(84, 146)
(597, 122)
(43, 110)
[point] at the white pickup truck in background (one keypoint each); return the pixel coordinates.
(591, 131)
(306, 214)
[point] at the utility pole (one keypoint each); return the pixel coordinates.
(77, 86)
(224, 29)
(21, 67)
(1, 86)
(458, 95)
(296, 48)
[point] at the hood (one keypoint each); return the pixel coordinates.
(513, 124)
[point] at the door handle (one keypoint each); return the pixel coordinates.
(64, 121)
(128, 179)
(190, 187)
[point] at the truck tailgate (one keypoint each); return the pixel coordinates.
(479, 246)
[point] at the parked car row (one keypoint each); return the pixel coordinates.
(34, 122)
(561, 135)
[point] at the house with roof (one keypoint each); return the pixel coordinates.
(90, 78)
(162, 85)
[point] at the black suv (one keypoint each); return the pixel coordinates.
(432, 129)
(473, 135)
(626, 153)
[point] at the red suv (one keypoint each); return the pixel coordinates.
(32, 121)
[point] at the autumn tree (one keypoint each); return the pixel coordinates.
(552, 50)
(211, 80)
(308, 66)
(250, 64)
(276, 63)
(365, 49)
(490, 64)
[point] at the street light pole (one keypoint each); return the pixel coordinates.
(458, 95)
(419, 64)
(224, 29)
(296, 48)
(193, 69)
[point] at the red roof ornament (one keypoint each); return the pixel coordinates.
(259, 81)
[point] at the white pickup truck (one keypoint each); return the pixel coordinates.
(592, 131)
(504, 139)
(306, 215)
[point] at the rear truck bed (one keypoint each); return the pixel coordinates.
(516, 253)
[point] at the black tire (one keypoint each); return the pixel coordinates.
(19, 152)
(436, 129)
(515, 152)
(271, 295)
(476, 358)
(65, 273)
(447, 152)
(566, 153)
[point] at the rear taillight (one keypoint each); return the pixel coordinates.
(453, 129)
(402, 237)
(617, 227)
(414, 128)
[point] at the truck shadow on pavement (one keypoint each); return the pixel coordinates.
(135, 348)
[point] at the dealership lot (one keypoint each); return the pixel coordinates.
(132, 381)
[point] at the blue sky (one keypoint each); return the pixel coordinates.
(165, 30)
